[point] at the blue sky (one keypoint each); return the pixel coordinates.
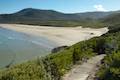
(66, 6)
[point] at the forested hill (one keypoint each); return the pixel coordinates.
(112, 19)
(53, 18)
(36, 14)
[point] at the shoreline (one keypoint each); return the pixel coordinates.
(60, 35)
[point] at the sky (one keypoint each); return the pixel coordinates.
(65, 6)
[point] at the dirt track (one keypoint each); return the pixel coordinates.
(81, 72)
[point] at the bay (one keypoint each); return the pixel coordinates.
(16, 47)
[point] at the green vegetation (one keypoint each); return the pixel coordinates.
(110, 68)
(66, 23)
(112, 20)
(53, 66)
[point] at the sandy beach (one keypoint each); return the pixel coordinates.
(61, 35)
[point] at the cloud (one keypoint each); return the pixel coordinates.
(99, 7)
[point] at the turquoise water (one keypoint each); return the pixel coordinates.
(17, 47)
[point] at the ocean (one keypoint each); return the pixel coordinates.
(16, 47)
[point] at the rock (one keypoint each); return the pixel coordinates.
(57, 49)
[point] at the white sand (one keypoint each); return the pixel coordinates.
(60, 35)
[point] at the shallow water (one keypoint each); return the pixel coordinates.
(17, 47)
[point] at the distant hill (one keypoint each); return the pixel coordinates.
(52, 18)
(96, 15)
(30, 14)
(113, 19)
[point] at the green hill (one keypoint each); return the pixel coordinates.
(112, 19)
(36, 15)
(54, 18)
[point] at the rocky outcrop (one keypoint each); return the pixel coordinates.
(57, 49)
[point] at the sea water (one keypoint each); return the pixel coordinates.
(16, 47)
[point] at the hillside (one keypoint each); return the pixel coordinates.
(36, 15)
(113, 22)
(94, 15)
(113, 19)
(54, 18)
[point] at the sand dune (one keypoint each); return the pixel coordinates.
(60, 35)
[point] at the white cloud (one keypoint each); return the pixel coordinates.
(99, 7)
